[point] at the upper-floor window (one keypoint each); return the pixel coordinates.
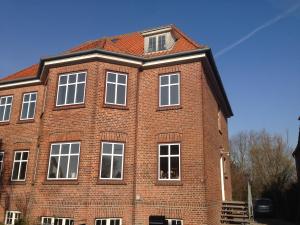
(71, 89)
(64, 160)
(169, 90)
(157, 43)
(112, 160)
(20, 166)
(28, 106)
(116, 88)
(108, 221)
(169, 162)
(57, 221)
(5, 108)
(11, 217)
(1, 161)
(174, 222)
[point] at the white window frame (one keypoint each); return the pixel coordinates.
(20, 161)
(1, 162)
(169, 161)
(157, 43)
(176, 220)
(169, 85)
(53, 219)
(59, 157)
(112, 158)
(108, 220)
(14, 217)
(67, 88)
(29, 102)
(116, 87)
(5, 105)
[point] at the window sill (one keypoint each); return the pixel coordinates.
(164, 108)
(169, 183)
(16, 182)
(26, 121)
(111, 182)
(61, 182)
(116, 107)
(4, 123)
(64, 107)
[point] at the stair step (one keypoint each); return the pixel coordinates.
(238, 212)
(235, 207)
(234, 216)
(235, 220)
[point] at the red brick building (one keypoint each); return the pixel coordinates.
(115, 131)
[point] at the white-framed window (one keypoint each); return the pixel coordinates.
(116, 88)
(108, 221)
(28, 106)
(169, 161)
(157, 43)
(57, 221)
(64, 160)
(20, 166)
(169, 90)
(71, 89)
(174, 222)
(1, 161)
(11, 217)
(5, 108)
(112, 161)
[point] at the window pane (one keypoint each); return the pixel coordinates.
(111, 77)
(23, 170)
(164, 95)
(33, 97)
(61, 95)
(106, 165)
(71, 94)
(26, 97)
(164, 150)
(152, 44)
(117, 167)
(174, 167)
(110, 93)
(31, 110)
(174, 149)
(63, 164)
(53, 167)
(24, 111)
(107, 148)
(72, 78)
(1, 112)
(25, 156)
(117, 222)
(18, 156)
(174, 94)
(80, 93)
(75, 148)
(9, 100)
(73, 166)
(103, 222)
(81, 77)
(55, 149)
(164, 165)
(164, 80)
(121, 94)
(162, 42)
(63, 79)
(122, 79)
(7, 112)
(174, 79)
(118, 149)
(3, 100)
(65, 148)
(16, 170)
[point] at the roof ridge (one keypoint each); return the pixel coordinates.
(196, 44)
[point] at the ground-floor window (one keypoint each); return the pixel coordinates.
(57, 221)
(11, 217)
(174, 222)
(108, 221)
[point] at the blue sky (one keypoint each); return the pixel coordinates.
(261, 74)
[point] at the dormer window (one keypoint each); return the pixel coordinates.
(157, 43)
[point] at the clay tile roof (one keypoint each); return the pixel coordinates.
(131, 43)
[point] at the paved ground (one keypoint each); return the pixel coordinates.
(271, 222)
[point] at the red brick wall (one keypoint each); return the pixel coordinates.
(141, 125)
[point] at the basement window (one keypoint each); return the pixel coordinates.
(11, 217)
(169, 162)
(64, 160)
(109, 221)
(20, 166)
(174, 222)
(5, 108)
(57, 221)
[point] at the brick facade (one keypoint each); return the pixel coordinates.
(141, 125)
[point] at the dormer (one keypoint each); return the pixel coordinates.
(158, 40)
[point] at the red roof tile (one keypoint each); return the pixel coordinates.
(131, 43)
